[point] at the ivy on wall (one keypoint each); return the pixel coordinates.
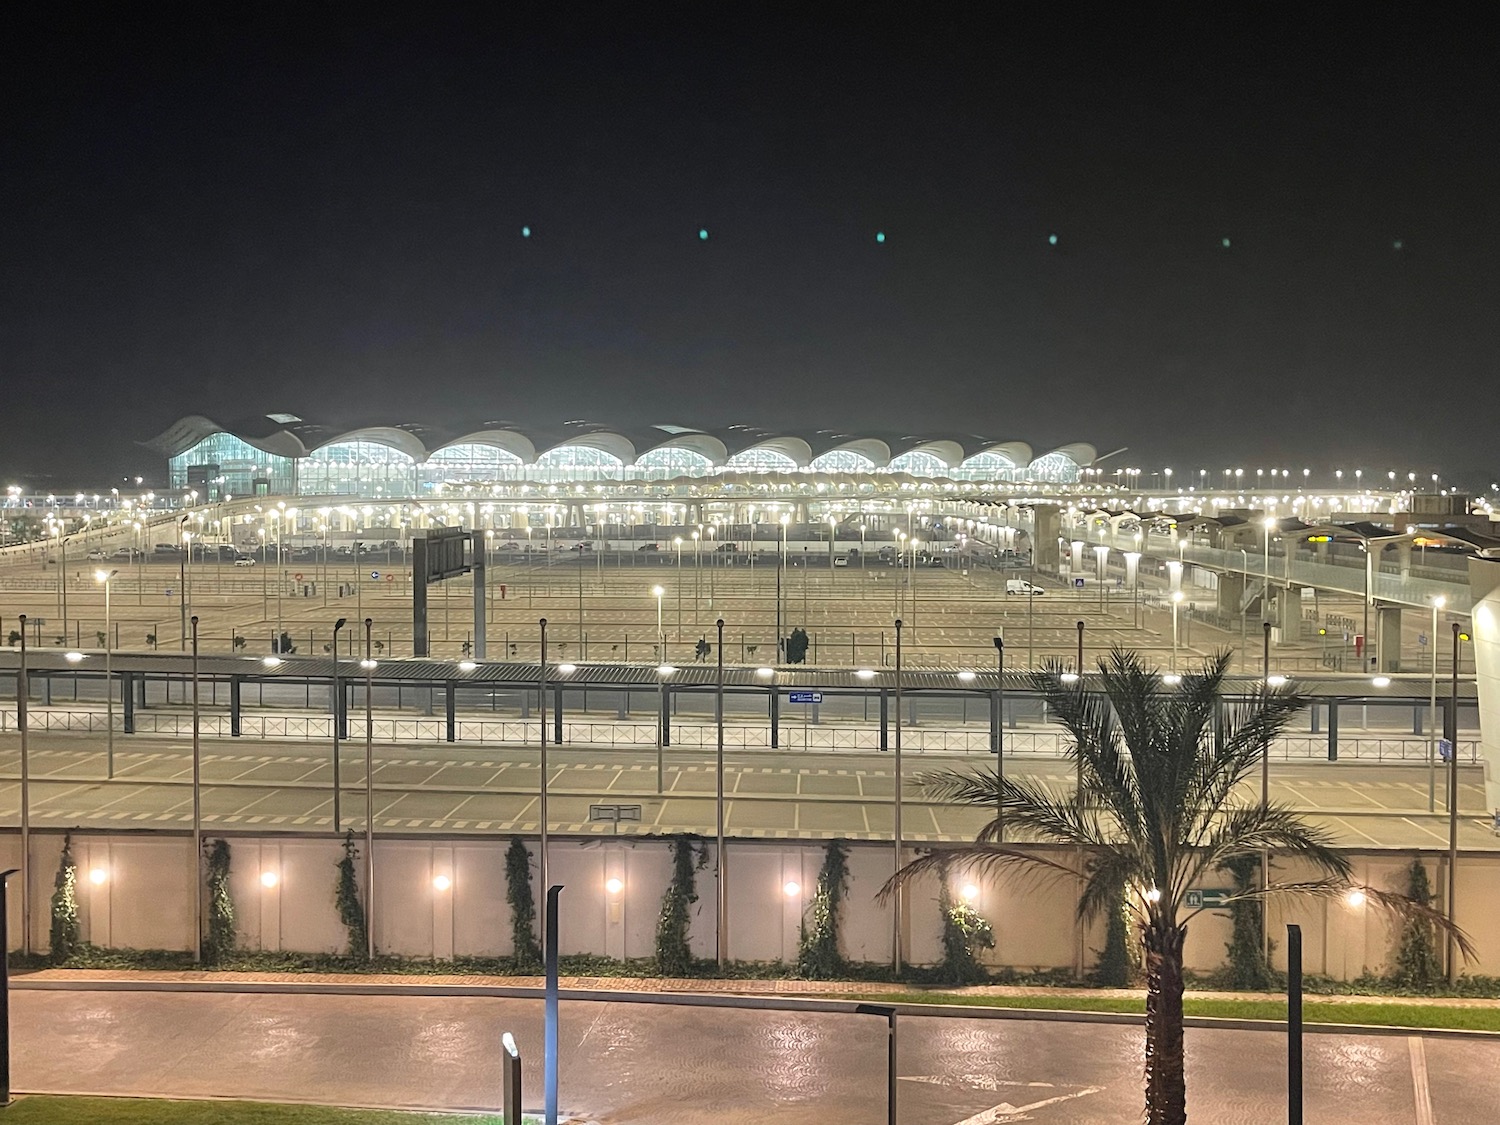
(64, 936)
(674, 954)
(528, 954)
(346, 898)
(818, 956)
(219, 942)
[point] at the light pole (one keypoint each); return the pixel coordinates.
(723, 887)
(1452, 806)
(697, 575)
(896, 901)
(677, 542)
(661, 636)
(541, 680)
(105, 578)
(197, 808)
(1000, 737)
(1176, 601)
(338, 712)
(23, 698)
(369, 664)
(1437, 603)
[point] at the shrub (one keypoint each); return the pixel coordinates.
(219, 943)
(1113, 967)
(965, 930)
(528, 954)
(1416, 963)
(64, 938)
(1248, 967)
(674, 953)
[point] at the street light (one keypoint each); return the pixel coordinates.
(338, 711)
(1437, 603)
(1176, 601)
(677, 542)
(661, 636)
(105, 577)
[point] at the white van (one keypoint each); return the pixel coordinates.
(1022, 587)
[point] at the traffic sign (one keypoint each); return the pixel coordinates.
(1208, 897)
(297, 577)
(1422, 639)
(390, 578)
(1078, 583)
(375, 574)
(805, 696)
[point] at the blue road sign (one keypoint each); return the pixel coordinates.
(1422, 639)
(805, 696)
(1078, 583)
(375, 574)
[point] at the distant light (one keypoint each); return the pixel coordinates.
(966, 676)
(1069, 677)
(1397, 245)
(880, 236)
(613, 886)
(442, 882)
(702, 234)
(1224, 242)
(1381, 681)
(525, 232)
(1354, 897)
(566, 669)
(1171, 678)
(865, 674)
(467, 666)
(270, 661)
(367, 664)
(765, 672)
(268, 878)
(72, 657)
(1275, 681)
(1153, 895)
(791, 889)
(664, 669)
(970, 892)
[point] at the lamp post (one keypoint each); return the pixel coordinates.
(661, 636)
(338, 712)
(197, 808)
(723, 887)
(23, 698)
(697, 575)
(541, 680)
(1437, 604)
(105, 578)
(369, 665)
(1000, 737)
(1452, 960)
(185, 539)
(896, 901)
(677, 542)
(1176, 601)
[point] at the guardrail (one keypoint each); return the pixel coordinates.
(685, 735)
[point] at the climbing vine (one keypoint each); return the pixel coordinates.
(674, 953)
(965, 931)
(1416, 964)
(818, 956)
(528, 954)
(346, 898)
(1113, 967)
(1248, 967)
(219, 943)
(65, 905)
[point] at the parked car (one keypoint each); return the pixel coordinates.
(244, 560)
(97, 555)
(649, 547)
(511, 546)
(1022, 587)
(841, 560)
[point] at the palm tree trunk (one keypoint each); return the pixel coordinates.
(1166, 1089)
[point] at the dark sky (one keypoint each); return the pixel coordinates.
(209, 216)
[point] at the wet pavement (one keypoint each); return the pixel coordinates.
(637, 1064)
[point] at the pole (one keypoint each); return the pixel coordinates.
(197, 809)
(185, 544)
(1294, 1025)
(511, 1080)
(1078, 796)
(1265, 797)
(723, 888)
(109, 691)
(889, 1015)
(1452, 958)
(550, 1030)
(23, 698)
(338, 713)
(5, 987)
(896, 902)
(1000, 740)
(547, 932)
(1432, 718)
(369, 796)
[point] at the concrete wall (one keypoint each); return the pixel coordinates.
(1484, 586)
(142, 899)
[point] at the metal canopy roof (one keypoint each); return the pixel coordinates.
(1413, 687)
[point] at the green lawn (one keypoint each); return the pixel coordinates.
(147, 1111)
(1371, 1012)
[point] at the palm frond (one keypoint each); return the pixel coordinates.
(1020, 803)
(1275, 827)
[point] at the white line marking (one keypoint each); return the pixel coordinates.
(1420, 1089)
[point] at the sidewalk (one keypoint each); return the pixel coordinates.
(354, 981)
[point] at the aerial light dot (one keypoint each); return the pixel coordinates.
(880, 236)
(1052, 240)
(1396, 245)
(1224, 242)
(525, 232)
(702, 234)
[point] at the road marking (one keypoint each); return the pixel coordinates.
(1420, 1090)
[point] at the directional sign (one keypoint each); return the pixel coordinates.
(375, 574)
(805, 696)
(1422, 639)
(1209, 896)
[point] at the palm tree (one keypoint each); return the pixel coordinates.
(1161, 769)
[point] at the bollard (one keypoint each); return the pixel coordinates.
(1294, 1025)
(511, 1090)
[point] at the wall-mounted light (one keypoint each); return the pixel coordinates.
(269, 878)
(791, 888)
(98, 876)
(613, 886)
(1354, 897)
(442, 882)
(970, 892)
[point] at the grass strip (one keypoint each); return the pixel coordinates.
(1371, 1013)
(49, 1110)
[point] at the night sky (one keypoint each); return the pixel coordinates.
(229, 218)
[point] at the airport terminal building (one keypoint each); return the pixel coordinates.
(285, 455)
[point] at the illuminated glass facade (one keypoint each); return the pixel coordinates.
(985, 466)
(1058, 468)
(842, 461)
(919, 463)
(357, 468)
(663, 464)
(575, 463)
(460, 464)
(230, 467)
(760, 461)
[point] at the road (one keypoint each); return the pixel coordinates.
(262, 785)
(622, 1063)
